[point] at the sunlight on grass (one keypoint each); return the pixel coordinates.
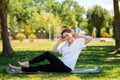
(47, 45)
(112, 58)
(99, 43)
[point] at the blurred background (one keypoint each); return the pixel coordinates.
(44, 19)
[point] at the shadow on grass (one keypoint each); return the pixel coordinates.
(91, 56)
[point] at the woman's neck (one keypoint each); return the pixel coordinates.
(70, 43)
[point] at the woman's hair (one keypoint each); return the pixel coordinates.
(75, 35)
(66, 30)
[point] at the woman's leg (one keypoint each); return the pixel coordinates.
(47, 68)
(46, 55)
(56, 65)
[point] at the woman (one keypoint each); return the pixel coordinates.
(70, 51)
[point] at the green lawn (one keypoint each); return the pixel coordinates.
(91, 56)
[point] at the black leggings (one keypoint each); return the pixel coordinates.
(56, 65)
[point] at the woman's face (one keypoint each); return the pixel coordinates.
(68, 36)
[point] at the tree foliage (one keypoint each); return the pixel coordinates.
(39, 13)
(97, 17)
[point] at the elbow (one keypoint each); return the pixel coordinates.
(88, 40)
(53, 50)
(91, 38)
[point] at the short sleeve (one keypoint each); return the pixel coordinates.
(81, 41)
(59, 48)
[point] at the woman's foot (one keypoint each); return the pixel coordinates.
(14, 68)
(24, 64)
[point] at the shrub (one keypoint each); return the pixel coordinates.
(10, 38)
(105, 34)
(32, 37)
(20, 36)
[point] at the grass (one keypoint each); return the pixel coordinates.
(91, 56)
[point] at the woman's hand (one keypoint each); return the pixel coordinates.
(57, 44)
(75, 35)
(61, 38)
(87, 38)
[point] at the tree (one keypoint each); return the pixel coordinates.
(41, 22)
(96, 18)
(7, 49)
(78, 12)
(21, 10)
(68, 16)
(108, 25)
(117, 24)
(57, 8)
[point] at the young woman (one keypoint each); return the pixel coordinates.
(69, 50)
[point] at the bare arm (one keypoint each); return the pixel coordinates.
(87, 38)
(56, 45)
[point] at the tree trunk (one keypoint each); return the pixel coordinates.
(117, 24)
(98, 32)
(7, 49)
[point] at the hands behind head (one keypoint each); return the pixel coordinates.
(75, 35)
(61, 38)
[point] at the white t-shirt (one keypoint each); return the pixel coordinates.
(70, 53)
